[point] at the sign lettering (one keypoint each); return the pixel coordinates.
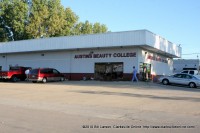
(156, 58)
(106, 55)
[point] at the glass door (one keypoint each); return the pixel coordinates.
(145, 71)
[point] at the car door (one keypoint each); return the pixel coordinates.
(33, 74)
(177, 79)
(56, 75)
(186, 79)
(50, 75)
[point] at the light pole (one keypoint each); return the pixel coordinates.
(198, 63)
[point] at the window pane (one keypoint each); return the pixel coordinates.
(191, 72)
(185, 72)
(34, 71)
(55, 71)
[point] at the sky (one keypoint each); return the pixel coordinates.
(177, 21)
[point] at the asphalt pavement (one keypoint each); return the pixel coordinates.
(96, 106)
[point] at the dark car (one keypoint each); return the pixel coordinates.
(45, 74)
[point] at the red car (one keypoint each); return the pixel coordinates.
(45, 74)
(14, 74)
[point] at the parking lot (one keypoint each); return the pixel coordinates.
(96, 106)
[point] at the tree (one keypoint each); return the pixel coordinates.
(37, 21)
(98, 28)
(50, 19)
(71, 19)
(3, 37)
(77, 29)
(104, 28)
(22, 19)
(87, 28)
(14, 14)
(56, 19)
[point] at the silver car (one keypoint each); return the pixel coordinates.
(181, 78)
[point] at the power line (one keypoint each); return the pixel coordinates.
(191, 54)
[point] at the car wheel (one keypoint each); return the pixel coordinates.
(62, 79)
(165, 81)
(192, 85)
(14, 79)
(44, 80)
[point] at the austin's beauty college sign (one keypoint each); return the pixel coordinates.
(106, 55)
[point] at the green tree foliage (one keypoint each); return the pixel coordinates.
(37, 21)
(89, 28)
(77, 30)
(98, 28)
(3, 37)
(47, 18)
(86, 28)
(71, 19)
(14, 13)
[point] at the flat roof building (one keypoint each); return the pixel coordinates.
(99, 56)
(186, 64)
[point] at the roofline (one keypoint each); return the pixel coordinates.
(109, 39)
(81, 35)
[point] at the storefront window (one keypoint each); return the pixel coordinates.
(109, 71)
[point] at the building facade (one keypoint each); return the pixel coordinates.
(186, 64)
(106, 56)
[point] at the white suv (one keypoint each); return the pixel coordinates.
(192, 72)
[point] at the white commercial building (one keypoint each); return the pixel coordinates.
(109, 55)
(186, 64)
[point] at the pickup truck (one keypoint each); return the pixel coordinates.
(14, 74)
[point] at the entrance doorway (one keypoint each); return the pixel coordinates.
(109, 71)
(145, 71)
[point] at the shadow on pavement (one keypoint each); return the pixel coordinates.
(117, 85)
(139, 95)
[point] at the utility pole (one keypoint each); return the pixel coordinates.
(198, 63)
